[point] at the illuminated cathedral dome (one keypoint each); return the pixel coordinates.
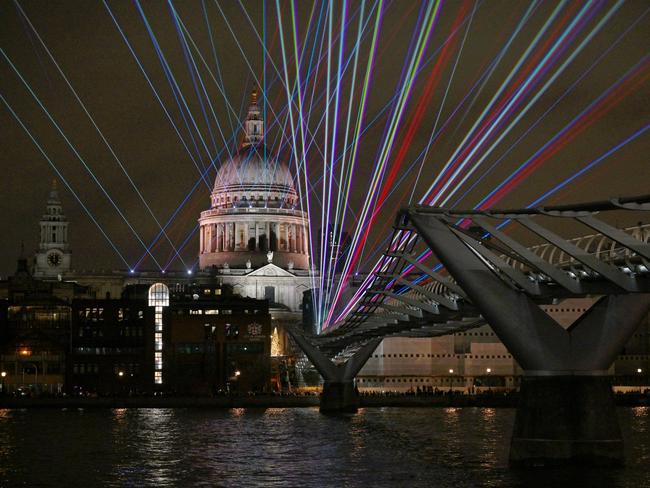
(253, 209)
(250, 178)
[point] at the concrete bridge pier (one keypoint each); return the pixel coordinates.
(340, 394)
(566, 419)
(339, 397)
(566, 413)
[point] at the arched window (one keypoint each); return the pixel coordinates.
(158, 295)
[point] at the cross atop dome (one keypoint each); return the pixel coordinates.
(253, 125)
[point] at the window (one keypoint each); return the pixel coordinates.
(157, 377)
(158, 319)
(158, 360)
(269, 293)
(158, 296)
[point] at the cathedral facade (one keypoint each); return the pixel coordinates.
(255, 236)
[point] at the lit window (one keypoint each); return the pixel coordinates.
(158, 295)
(158, 320)
(158, 298)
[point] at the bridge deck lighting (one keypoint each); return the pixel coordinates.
(189, 271)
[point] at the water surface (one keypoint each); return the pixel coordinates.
(453, 447)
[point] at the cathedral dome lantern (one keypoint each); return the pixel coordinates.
(254, 123)
(253, 208)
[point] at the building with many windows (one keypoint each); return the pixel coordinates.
(183, 340)
(110, 347)
(476, 359)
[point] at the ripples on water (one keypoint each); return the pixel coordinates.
(454, 447)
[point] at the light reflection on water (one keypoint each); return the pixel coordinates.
(453, 447)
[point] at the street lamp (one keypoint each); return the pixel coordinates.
(639, 370)
(237, 373)
(3, 375)
(120, 374)
(488, 370)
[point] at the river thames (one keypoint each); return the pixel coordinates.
(441, 447)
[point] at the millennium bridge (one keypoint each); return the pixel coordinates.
(485, 275)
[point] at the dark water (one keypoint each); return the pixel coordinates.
(287, 447)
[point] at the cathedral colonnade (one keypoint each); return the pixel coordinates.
(254, 235)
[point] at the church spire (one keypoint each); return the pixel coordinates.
(253, 125)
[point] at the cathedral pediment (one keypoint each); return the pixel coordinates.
(271, 270)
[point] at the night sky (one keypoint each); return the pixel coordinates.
(89, 49)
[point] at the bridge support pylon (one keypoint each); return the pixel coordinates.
(566, 413)
(566, 419)
(339, 397)
(340, 394)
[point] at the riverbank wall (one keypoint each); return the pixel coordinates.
(285, 401)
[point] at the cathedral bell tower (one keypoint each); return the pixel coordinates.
(53, 256)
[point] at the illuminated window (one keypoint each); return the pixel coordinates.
(158, 320)
(159, 295)
(158, 298)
